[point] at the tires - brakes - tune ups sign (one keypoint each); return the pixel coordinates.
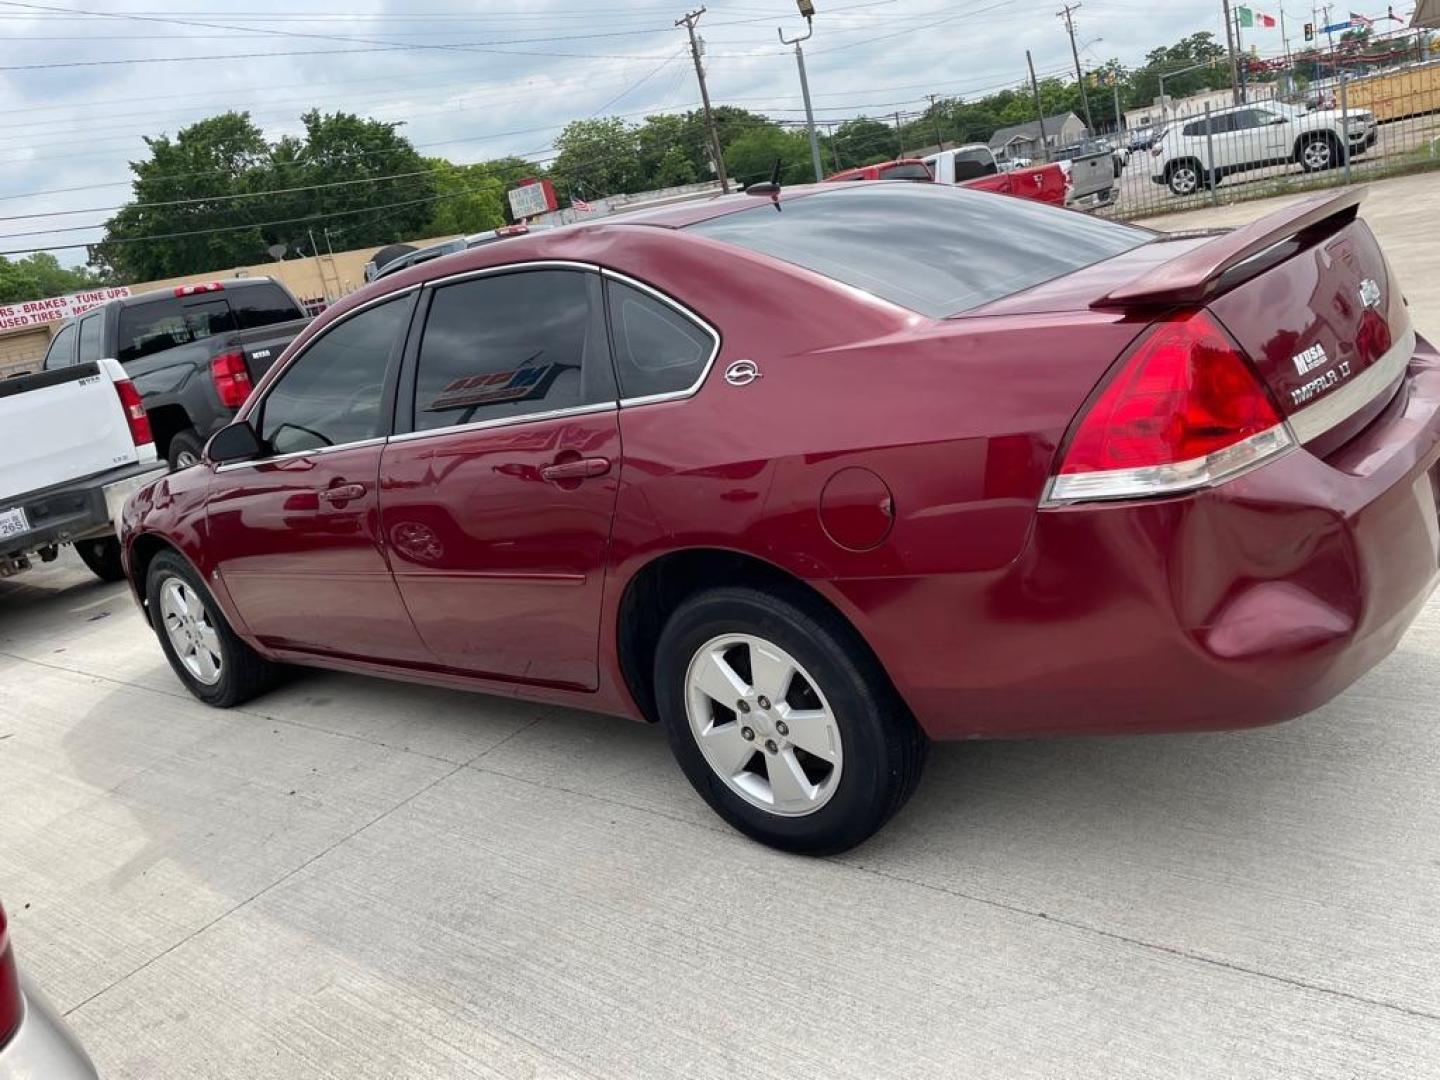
(532, 197)
(40, 312)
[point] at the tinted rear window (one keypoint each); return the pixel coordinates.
(935, 249)
(157, 325)
(909, 171)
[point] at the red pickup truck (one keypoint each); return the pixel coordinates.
(975, 167)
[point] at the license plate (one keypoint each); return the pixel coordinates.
(13, 523)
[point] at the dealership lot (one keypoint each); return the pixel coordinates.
(354, 878)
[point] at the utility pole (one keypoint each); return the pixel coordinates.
(899, 139)
(1230, 44)
(1119, 120)
(1039, 109)
(808, 10)
(1066, 14)
(935, 116)
(689, 21)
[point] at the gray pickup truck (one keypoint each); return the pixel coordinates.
(193, 352)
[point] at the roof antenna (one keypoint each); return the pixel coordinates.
(769, 187)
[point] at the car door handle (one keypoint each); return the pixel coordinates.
(342, 493)
(578, 469)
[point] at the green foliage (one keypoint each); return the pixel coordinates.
(864, 141)
(597, 157)
(194, 178)
(751, 157)
(40, 275)
(472, 198)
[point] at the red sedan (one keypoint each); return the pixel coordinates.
(810, 480)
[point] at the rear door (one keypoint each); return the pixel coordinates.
(496, 505)
(295, 533)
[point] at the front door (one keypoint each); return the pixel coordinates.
(295, 533)
(496, 506)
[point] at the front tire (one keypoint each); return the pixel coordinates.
(783, 721)
(207, 656)
(1319, 153)
(102, 556)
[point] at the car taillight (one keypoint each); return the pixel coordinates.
(1185, 410)
(11, 1007)
(231, 378)
(135, 414)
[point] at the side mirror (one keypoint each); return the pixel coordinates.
(237, 442)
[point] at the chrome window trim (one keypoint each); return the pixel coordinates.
(693, 388)
(259, 406)
(504, 268)
(503, 421)
(229, 466)
(1345, 401)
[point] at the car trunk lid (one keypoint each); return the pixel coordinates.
(1309, 297)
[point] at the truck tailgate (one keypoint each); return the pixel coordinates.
(60, 426)
(263, 345)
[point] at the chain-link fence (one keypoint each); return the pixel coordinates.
(1344, 130)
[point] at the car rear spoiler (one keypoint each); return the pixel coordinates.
(1194, 276)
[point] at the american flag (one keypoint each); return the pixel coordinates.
(580, 205)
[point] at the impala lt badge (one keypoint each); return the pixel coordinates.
(1369, 293)
(742, 373)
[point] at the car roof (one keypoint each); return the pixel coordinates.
(152, 295)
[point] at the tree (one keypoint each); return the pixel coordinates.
(218, 195)
(470, 198)
(864, 141)
(38, 276)
(597, 158)
(752, 156)
(206, 161)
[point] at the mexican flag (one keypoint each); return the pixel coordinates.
(1248, 18)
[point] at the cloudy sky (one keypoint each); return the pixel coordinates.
(82, 80)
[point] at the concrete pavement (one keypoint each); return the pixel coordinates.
(352, 878)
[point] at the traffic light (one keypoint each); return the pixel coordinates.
(1309, 31)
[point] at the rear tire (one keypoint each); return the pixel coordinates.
(185, 450)
(102, 556)
(207, 656)
(1184, 178)
(867, 749)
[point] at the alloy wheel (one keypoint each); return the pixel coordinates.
(763, 724)
(1317, 154)
(191, 632)
(1184, 180)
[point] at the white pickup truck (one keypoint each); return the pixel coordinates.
(77, 445)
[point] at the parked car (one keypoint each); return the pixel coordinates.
(975, 166)
(193, 352)
(1250, 137)
(35, 1044)
(449, 247)
(77, 443)
(900, 462)
(1141, 139)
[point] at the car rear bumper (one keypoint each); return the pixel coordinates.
(1246, 604)
(43, 1047)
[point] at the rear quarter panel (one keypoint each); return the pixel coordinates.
(960, 418)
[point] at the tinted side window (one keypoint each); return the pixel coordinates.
(1194, 128)
(512, 344)
(334, 391)
(972, 164)
(262, 305)
(908, 171)
(657, 349)
(60, 352)
(92, 332)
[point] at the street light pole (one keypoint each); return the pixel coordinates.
(807, 8)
